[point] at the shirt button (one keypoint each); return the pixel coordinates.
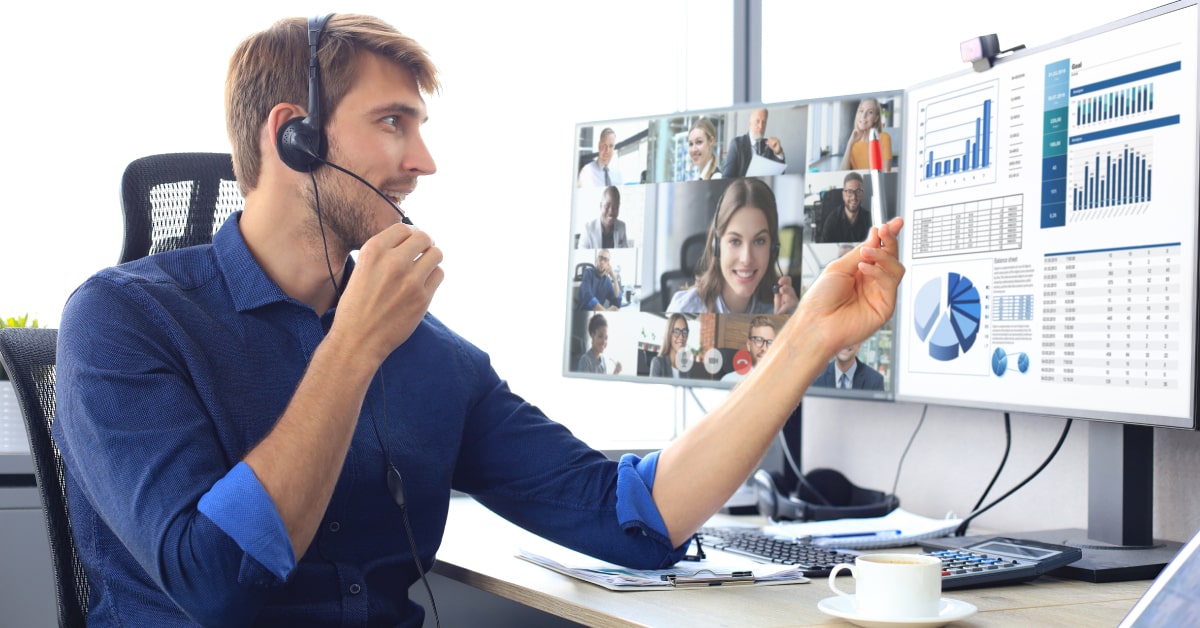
(354, 589)
(334, 526)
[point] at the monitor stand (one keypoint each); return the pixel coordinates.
(1118, 544)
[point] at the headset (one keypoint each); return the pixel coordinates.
(300, 141)
(301, 145)
(715, 244)
(845, 500)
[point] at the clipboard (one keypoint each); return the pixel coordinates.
(721, 569)
(708, 578)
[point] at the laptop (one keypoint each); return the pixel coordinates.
(1173, 599)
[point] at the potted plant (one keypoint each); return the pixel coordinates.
(15, 321)
(12, 428)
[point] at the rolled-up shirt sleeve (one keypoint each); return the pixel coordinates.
(636, 509)
(240, 506)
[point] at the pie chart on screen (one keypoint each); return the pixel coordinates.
(946, 316)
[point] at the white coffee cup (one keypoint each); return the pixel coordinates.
(893, 586)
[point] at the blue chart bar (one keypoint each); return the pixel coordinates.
(976, 153)
(1119, 104)
(1112, 178)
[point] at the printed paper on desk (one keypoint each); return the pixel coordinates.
(895, 529)
(719, 569)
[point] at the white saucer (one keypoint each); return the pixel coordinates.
(948, 610)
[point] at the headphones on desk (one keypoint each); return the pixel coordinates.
(300, 141)
(844, 499)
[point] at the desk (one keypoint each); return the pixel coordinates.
(488, 562)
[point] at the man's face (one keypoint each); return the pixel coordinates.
(375, 132)
(759, 341)
(852, 195)
(610, 208)
(608, 144)
(603, 261)
(845, 357)
(758, 123)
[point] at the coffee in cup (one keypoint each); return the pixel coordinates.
(893, 586)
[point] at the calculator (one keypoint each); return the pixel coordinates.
(998, 560)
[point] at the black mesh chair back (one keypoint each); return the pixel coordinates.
(28, 356)
(674, 280)
(175, 200)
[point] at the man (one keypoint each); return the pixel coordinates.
(760, 338)
(744, 147)
(606, 231)
(850, 222)
(250, 427)
(602, 170)
(600, 289)
(848, 372)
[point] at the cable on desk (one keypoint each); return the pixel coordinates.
(1003, 461)
(962, 528)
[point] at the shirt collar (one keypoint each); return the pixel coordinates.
(248, 283)
(849, 372)
(724, 309)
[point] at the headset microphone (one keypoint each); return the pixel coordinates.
(395, 485)
(403, 217)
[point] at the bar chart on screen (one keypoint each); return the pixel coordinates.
(1119, 109)
(956, 138)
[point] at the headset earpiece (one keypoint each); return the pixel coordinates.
(300, 142)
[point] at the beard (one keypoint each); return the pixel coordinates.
(339, 209)
(347, 210)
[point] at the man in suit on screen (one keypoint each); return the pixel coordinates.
(744, 147)
(847, 372)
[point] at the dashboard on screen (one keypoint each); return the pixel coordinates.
(682, 224)
(1051, 229)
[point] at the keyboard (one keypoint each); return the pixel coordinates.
(994, 561)
(812, 560)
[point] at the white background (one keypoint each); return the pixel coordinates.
(88, 87)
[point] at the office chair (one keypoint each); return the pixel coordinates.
(577, 281)
(29, 357)
(831, 201)
(175, 200)
(672, 281)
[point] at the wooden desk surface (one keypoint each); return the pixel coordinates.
(488, 562)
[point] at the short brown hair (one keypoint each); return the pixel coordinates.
(271, 67)
(763, 321)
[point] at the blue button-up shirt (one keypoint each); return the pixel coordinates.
(171, 368)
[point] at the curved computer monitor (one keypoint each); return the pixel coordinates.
(662, 288)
